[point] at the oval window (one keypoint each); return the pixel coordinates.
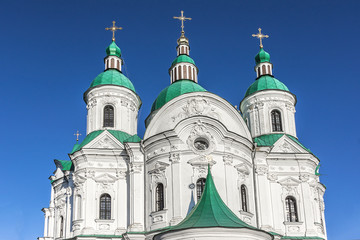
(201, 144)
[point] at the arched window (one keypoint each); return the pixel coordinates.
(194, 74)
(112, 63)
(184, 73)
(269, 69)
(118, 64)
(61, 232)
(180, 73)
(276, 121)
(291, 210)
(159, 197)
(189, 70)
(258, 71)
(105, 206)
(263, 70)
(243, 198)
(108, 116)
(200, 185)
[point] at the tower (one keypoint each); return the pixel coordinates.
(268, 106)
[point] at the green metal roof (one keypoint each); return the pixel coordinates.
(265, 82)
(112, 77)
(64, 165)
(174, 90)
(262, 56)
(271, 139)
(113, 50)
(211, 211)
(182, 58)
(119, 135)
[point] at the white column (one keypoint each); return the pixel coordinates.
(137, 191)
(122, 202)
(264, 198)
(176, 191)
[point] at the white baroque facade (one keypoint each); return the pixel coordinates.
(119, 186)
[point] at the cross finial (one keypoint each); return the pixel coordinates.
(77, 134)
(260, 36)
(113, 29)
(182, 18)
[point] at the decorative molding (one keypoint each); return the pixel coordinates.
(228, 160)
(261, 170)
(201, 131)
(174, 157)
(196, 106)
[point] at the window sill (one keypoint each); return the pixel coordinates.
(158, 212)
(293, 223)
(249, 214)
(104, 220)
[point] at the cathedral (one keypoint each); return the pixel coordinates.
(203, 170)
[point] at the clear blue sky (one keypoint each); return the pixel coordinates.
(50, 51)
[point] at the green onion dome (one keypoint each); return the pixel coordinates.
(262, 56)
(266, 82)
(112, 77)
(174, 90)
(183, 58)
(113, 50)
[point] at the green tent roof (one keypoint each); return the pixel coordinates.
(113, 50)
(64, 165)
(112, 77)
(211, 211)
(119, 135)
(174, 90)
(266, 82)
(262, 56)
(182, 58)
(271, 139)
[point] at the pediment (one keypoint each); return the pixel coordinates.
(287, 145)
(105, 141)
(202, 160)
(290, 181)
(58, 173)
(105, 178)
(242, 168)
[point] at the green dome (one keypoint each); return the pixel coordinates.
(183, 58)
(262, 56)
(264, 83)
(174, 90)
(112, 77)
(113, 50)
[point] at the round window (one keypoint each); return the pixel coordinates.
(201, 144)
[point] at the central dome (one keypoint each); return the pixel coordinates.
(174, 90)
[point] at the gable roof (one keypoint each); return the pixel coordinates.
(119, 135)
(271, 139)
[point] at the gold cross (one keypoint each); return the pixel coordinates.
(113, 29)
(260, 36)
(182, 18)
(77, 134)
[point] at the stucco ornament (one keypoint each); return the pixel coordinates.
(196, 106)
(200, 140)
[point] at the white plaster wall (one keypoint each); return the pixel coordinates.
(126, 104)
(258, 106)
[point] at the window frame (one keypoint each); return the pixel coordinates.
(159, 197)
(113, 116)
(291, 209)
(244, 198)
(200, 186)
(105, 213)
(276, 122)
